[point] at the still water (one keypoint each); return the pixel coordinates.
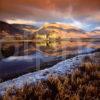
(32, 56)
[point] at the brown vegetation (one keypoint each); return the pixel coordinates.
(82, 84)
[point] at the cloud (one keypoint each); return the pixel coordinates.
(47, 9)
(19, 21)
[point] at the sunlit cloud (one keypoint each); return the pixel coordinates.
(47, 9)
(97, 28)
(81, 25)
(81, 13)
(20, 21)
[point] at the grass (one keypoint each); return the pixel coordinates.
(82, 84)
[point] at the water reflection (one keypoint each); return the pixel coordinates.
(32, 55)
(51, 48)
(61, 47)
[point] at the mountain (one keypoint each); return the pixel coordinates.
(94, 34)
(64, 27)
(26, 28)
(96, 31)
(58, 30)
(8, 28)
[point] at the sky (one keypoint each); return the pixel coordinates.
(83, 13)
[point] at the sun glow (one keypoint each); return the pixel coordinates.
(80, 24)
(77, 23)
(20, 21)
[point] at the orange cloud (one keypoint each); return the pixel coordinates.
(42, 9)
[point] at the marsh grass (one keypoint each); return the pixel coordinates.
(82, 84)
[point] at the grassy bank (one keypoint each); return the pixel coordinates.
(81, 84)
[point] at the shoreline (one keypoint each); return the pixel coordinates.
(44, 64)
(31, 78)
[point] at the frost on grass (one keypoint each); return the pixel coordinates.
(32, 78)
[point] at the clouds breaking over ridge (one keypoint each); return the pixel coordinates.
(50, 10)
